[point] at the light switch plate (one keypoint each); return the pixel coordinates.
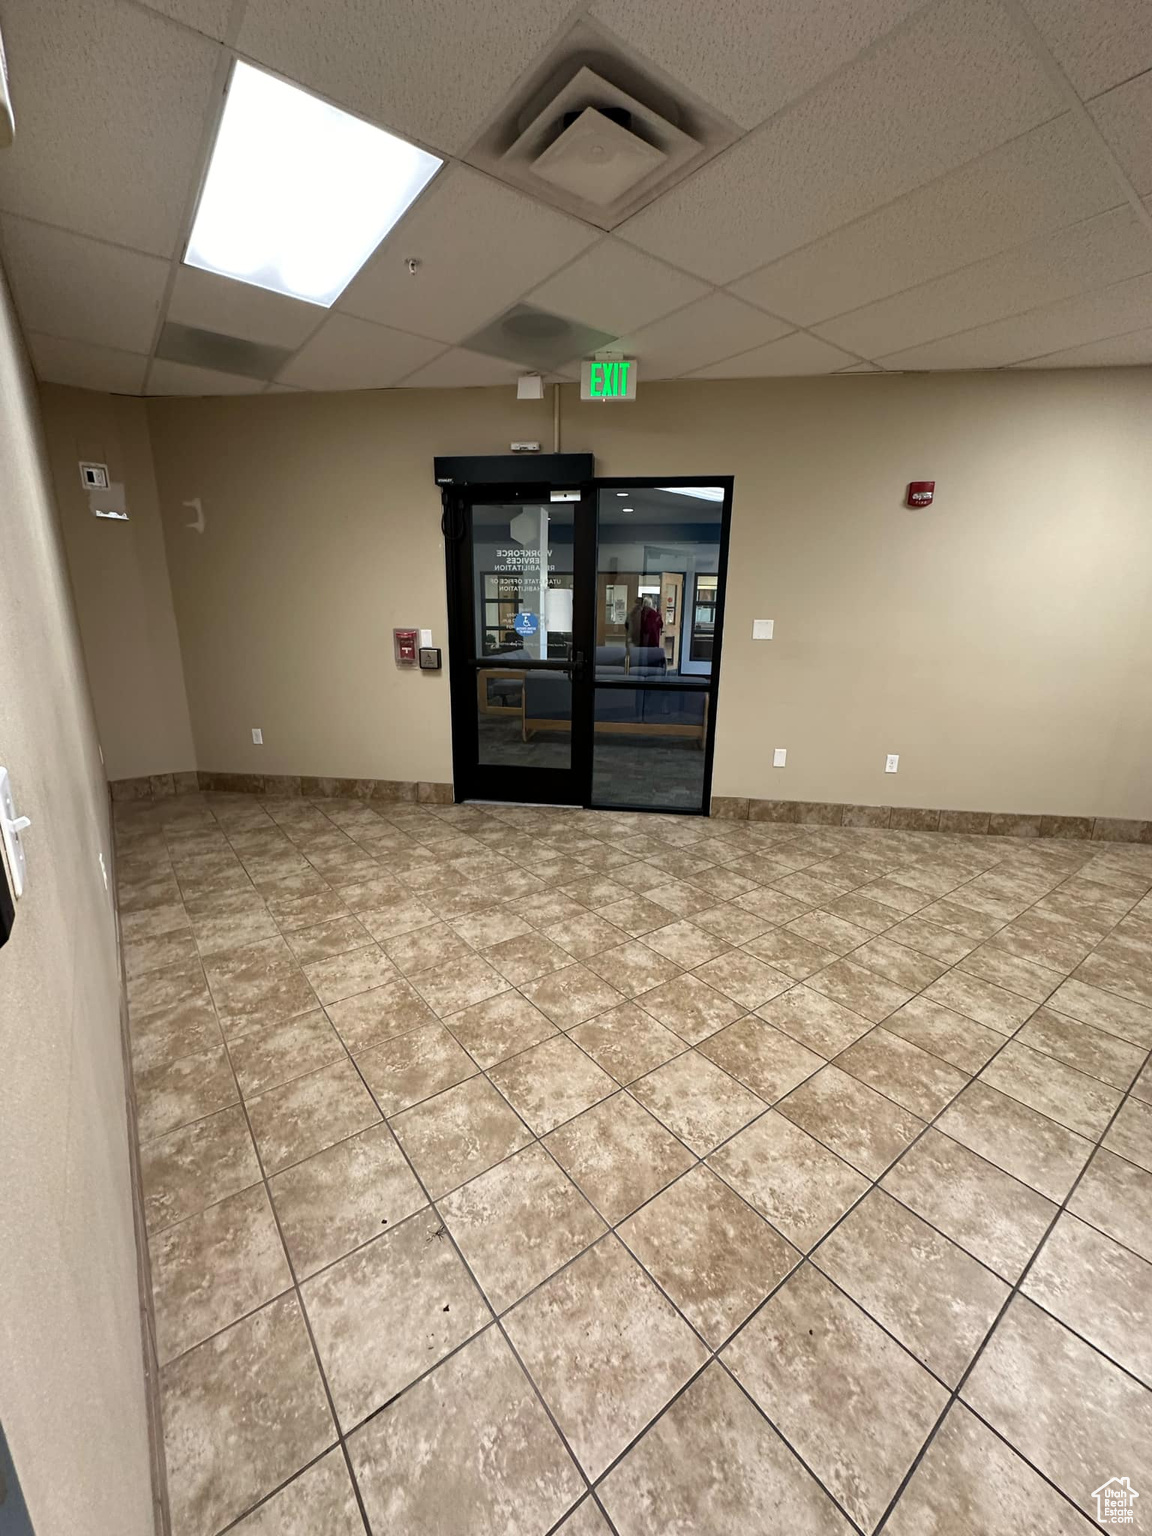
(779, 757)
(425, 638)
(257, 736)
(762, 629)
(892, 762)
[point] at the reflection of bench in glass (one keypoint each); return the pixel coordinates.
(655, 708)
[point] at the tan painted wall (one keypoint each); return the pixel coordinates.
(120, 580)
(997, 642)
(71, 1367)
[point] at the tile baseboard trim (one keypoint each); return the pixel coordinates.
(159, 786)
(1099, 829)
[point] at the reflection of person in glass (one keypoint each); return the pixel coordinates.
(645, 625)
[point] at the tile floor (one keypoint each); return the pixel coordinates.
(513, 1170)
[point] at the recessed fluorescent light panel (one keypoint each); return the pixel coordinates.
(702, 492)
(298, 193)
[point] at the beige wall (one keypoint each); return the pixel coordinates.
(120, 579)
(997, 642)
(71, 1368)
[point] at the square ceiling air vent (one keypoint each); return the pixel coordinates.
(536, 338)
(593, 132)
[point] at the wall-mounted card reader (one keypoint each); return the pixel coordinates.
(429, 658)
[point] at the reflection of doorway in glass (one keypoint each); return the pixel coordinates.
(701, 622)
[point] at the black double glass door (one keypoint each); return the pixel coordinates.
(585, 630)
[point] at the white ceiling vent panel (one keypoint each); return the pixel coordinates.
(594, 134)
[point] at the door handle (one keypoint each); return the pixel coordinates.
(576, 666)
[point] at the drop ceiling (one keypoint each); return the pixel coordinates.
(886, 185)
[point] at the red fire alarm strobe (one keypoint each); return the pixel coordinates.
(920, 493)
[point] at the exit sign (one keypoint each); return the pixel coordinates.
(608, 379)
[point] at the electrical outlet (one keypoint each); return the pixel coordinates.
(257, 736)
(779, 757)
(892, 762)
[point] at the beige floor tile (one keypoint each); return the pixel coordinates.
(527, 957)
(480, 929)
(292, 910)
(685, 944)
(343, 1197)
(846, 1397)
(551, 1082)
(899, 964)
(711, 1464)
(348, 975)
(1083, 1046)
(743, 978)
(1071, 1098)
(606, 1349)
(1116, 1197)
(519, 1223)
(934, 1298)
(370, 1018)
(790, 954)
(619, 1155)
(491, 1464)
(465, 982)
(596, 891)
(697, 1101)
(1130, 1135)
(632, 967)
(310, 1113)
(634, 915)
(170, 1094)
(818, 1022)
(996, 965)
(773, 906)
(404, 914)
(192, 1168)
(1099, 1289)
(864, 912)
(895, 1067)
(971, 1484)
(731, 923)
(627, 1042)
(458, 1134)
(277, 1053)
(414, 1066)
(981, 1000)
(258, 985)
(709, 1251)
(798, 1184)
(319, 1500)
(1066, 1408)
(764, 1059)
(163, 988)
(242, 1413)
(435, 944)
(499, 1027)
(860, 990)
(679, 897)
(929, 938)
(690, 1007)
(900, 898)
(1121, 964)
(829, 931)
(586, 1520)
(582, 934)
(161, 951)
(1116, 1015)
(1016, 1138)
(324, 940)
(941, 1032)
(861, 1126)
(572, 995)
(388, 1312)
(214, 1267)
(986, 1211)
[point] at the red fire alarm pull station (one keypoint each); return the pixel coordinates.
(406, 643)
(920, 493)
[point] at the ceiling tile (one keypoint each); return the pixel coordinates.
(1131, 351)
(480, 246)
(1100, 251)
(67, 285)
(1097, 43)
(432, 71)
(207, 16)
(788, 358)
(711, 328)
(459, 369)
(1052, 328)
(1124, 117)
(347, 353)
(214, 303)
(87, 367)
(616, 288)
(952, 84)
(184, 379)
(111, 105)
(1042, 180)
(749, 58)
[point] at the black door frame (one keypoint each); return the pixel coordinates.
(473, 780)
